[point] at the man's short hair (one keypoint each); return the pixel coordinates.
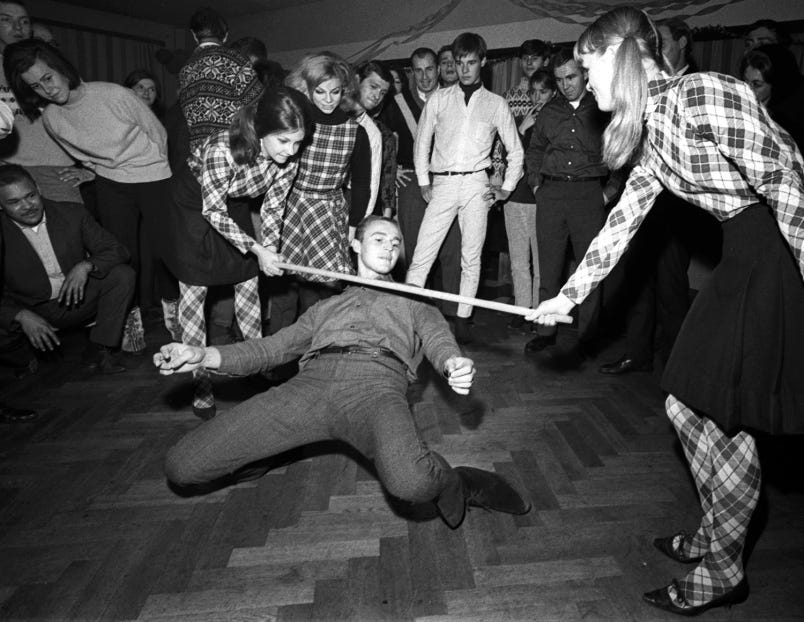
(469, 43)
(443, 50)
(561, 57)
(13, 173)
(422, 53)
(207, 22)
(364, 70)
(250, 46)
(360, 230)
(535, 47)
(678, 28)
(782, 36)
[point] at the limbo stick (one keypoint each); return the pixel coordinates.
(418, 291)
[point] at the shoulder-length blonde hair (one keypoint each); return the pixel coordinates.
(635, 34)
(314, 69)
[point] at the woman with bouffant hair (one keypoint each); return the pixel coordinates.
(317, 217)
(737, 364)
(212, 240)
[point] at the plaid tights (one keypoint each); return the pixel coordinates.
(727, 474)
(194, 327)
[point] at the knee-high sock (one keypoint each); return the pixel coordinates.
(194, 333)
(727, 473)
(247, 308)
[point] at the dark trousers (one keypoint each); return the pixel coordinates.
(446, 274)
(134, 214)
(352, 398)
(656, 273)
(568, 212)
(106, 301)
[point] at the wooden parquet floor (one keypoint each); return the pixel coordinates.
(89, 530)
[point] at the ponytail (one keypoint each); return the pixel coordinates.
(244, 144)
(629, 91)
(638, 41)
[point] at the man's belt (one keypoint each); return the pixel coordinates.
(374, 352)
(572, 178)
(450, 173)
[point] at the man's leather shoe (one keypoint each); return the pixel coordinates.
(539, 343)
(101, 359)
(8, 414)
(623, 366)
(668, 547)
(488, 490)
(676, 603)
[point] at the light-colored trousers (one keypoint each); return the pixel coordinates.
(523, 249)
(462, 196)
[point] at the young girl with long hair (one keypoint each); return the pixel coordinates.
(317, 217)
(737, 363)
(212, 239)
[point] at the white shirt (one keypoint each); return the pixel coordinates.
(375, 142)
(39, 238)
(461, 135)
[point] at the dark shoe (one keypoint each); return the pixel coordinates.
(9, 414)
(462, 333)
(662, 599)
(667, 546)
(517, 323)
(205, 412)
(101, 359)
(539, 343)
(488, 490)
(623, 366)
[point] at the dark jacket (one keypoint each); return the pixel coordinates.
(75, 236)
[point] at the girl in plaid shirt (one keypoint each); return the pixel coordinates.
(213, 241)
(739, 358)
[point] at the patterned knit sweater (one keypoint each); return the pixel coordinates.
(214, 84)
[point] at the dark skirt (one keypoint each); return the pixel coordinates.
(197, 254)
(739, 358)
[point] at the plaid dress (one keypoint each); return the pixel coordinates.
(315, 228)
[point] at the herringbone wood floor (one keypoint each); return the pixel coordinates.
(89, 529)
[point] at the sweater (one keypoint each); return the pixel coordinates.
(111, 131)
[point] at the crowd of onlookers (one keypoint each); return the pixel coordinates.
(117, 210)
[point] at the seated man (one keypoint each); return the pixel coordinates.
(60, 269)
(358, 350)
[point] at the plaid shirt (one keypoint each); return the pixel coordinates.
(220, 177)
(710, 142)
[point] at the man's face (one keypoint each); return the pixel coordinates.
(469, 66)
(571, 80)
(372, 91)
(22, 202)
(672, 50)
(425, 73)
(446, 68)
(531, 63)
(759, 36)
(15, 25)
(378, 251)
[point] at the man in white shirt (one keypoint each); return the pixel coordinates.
(458, 124)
